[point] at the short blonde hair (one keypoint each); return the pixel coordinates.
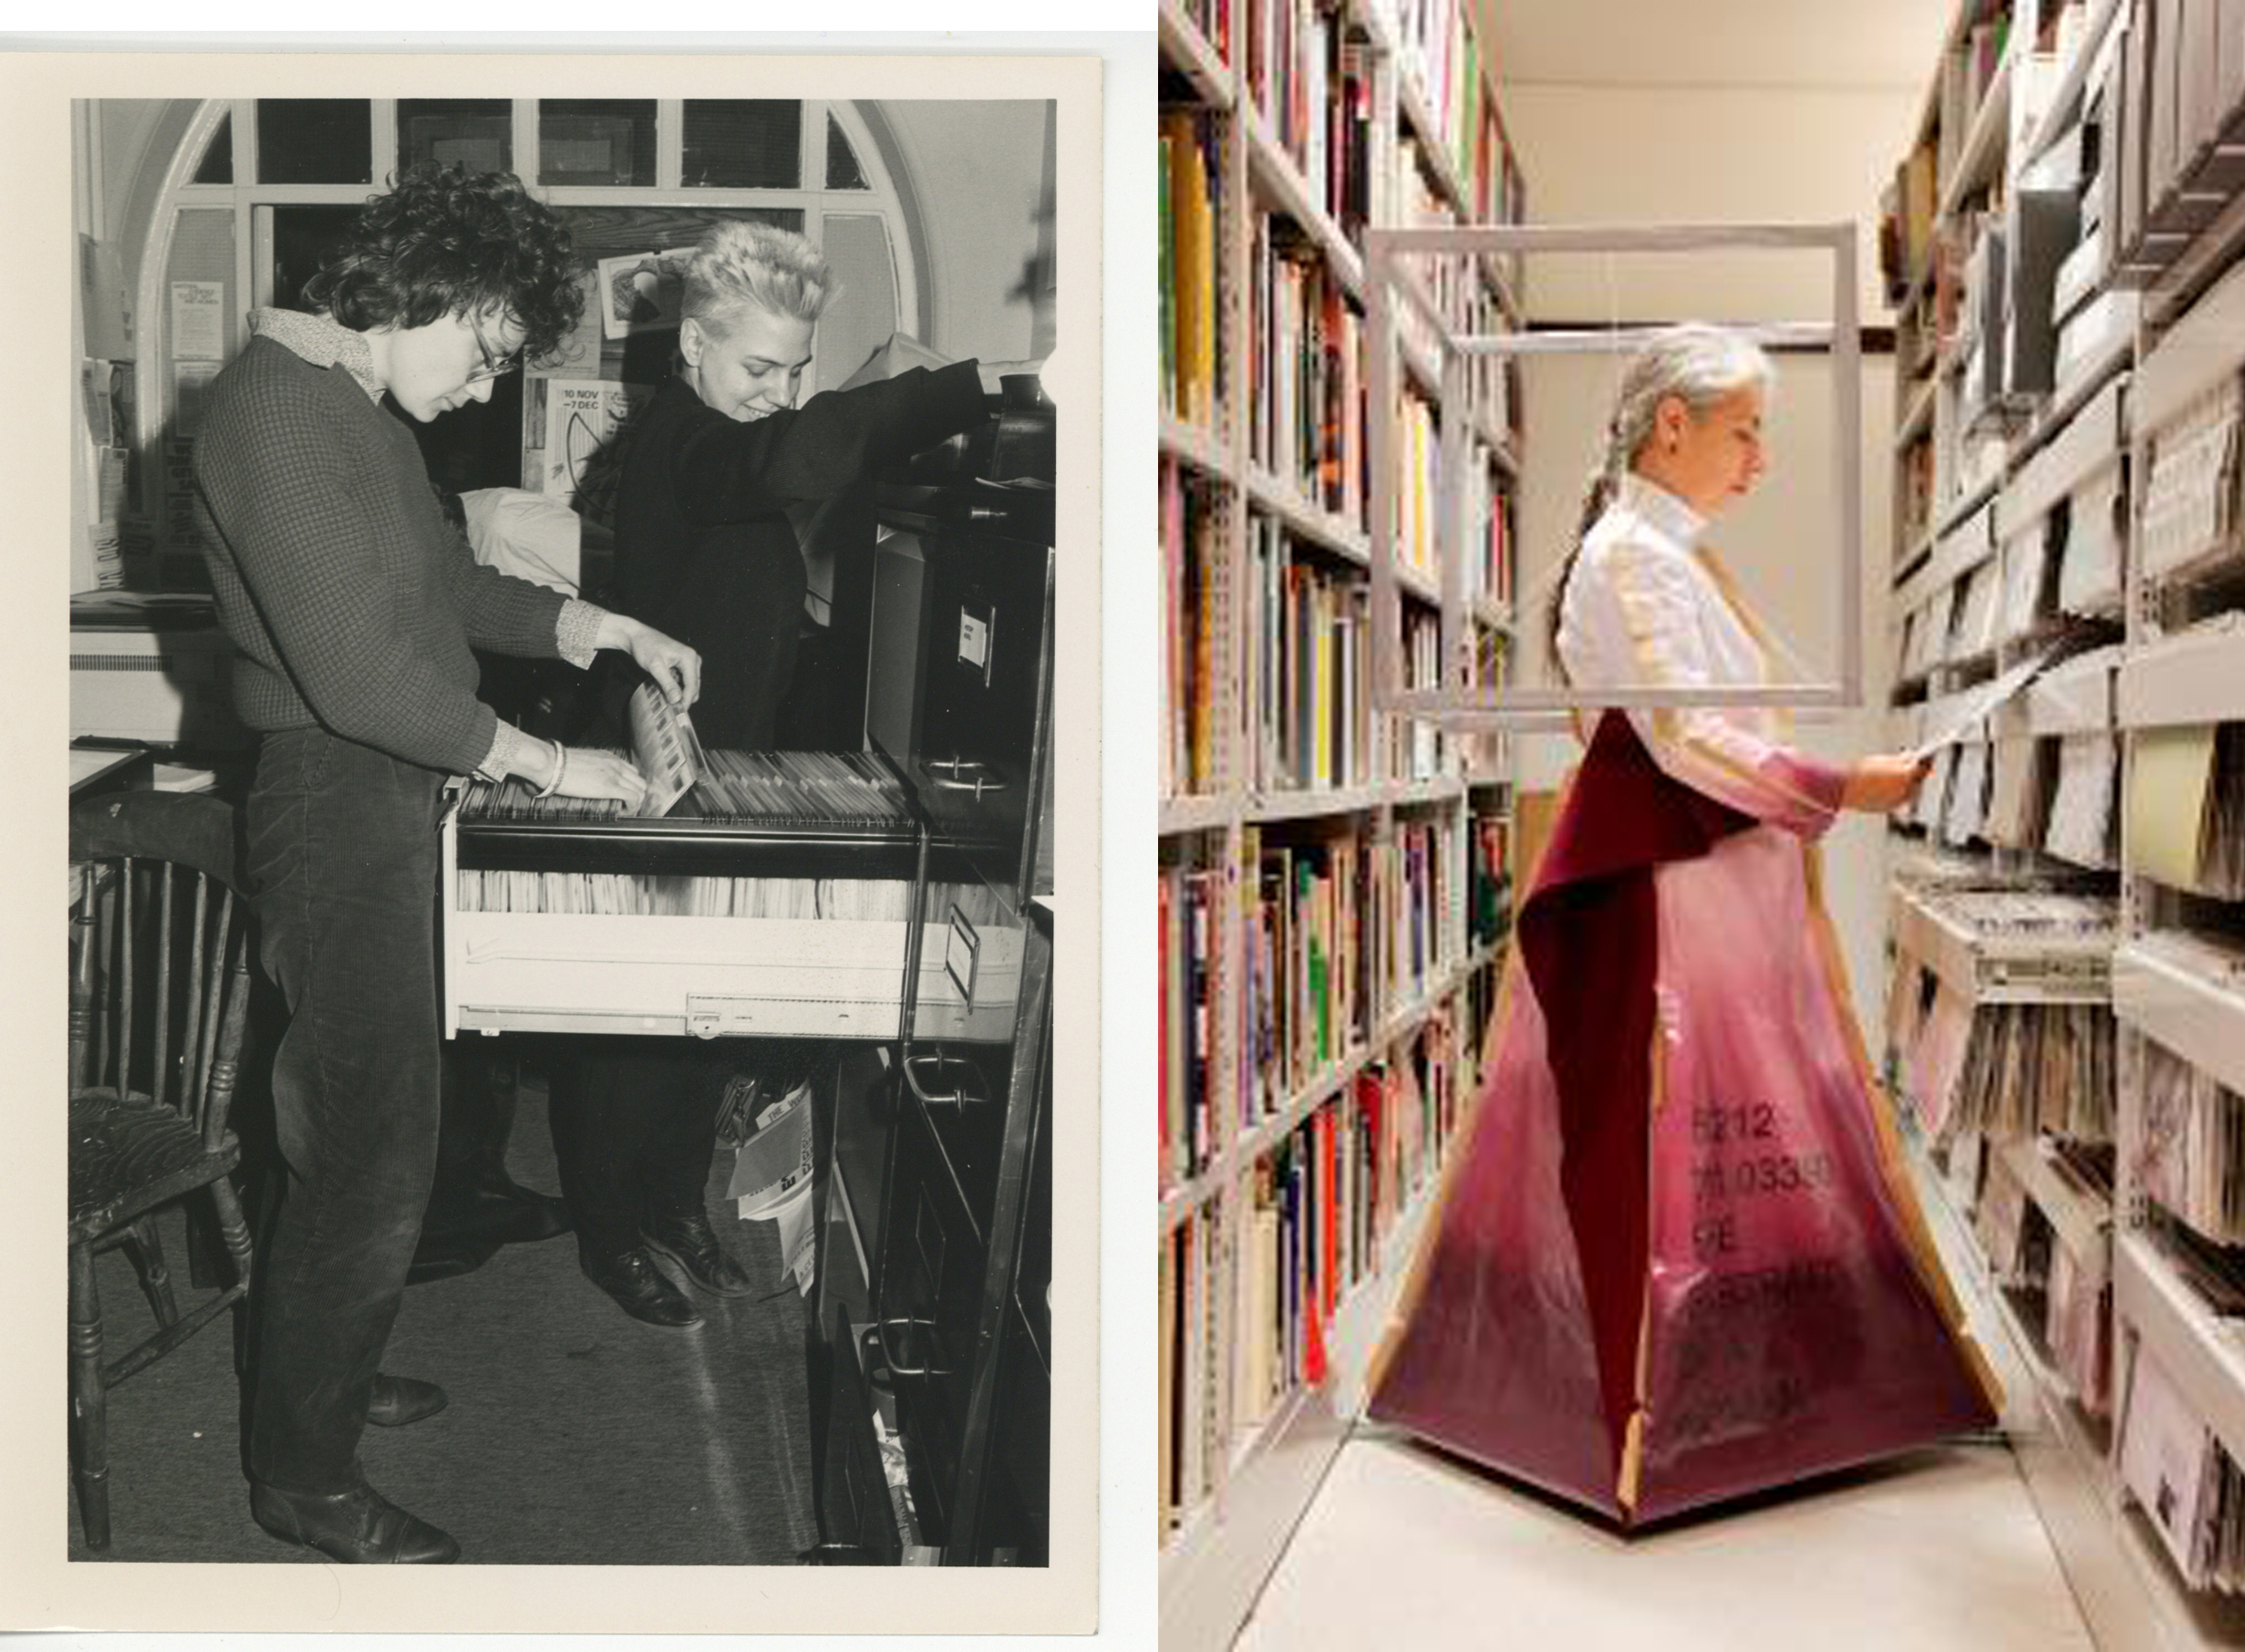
(741, 262)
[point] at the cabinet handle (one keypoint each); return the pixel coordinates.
(881, 1335)
(958, 1097)
(978, 783)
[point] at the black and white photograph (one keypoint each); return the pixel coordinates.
(571, 1058)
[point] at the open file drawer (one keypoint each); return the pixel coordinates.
(713, 977)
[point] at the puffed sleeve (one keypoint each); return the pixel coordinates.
(1657, 606)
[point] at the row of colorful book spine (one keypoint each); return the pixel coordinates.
(1308, 723)
(1193, 537)
(1190, 202)
(1306, 364)
(1252, 1287)
(1313, 90)
(1345, 926)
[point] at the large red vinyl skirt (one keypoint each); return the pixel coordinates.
(1677, 1260)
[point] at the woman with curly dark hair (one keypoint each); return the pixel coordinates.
(352, 604)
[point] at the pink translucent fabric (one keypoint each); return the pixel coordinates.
(1788, 1328)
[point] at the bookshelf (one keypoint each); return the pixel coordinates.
(1334, 885)
(2063, 241)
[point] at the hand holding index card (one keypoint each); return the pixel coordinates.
(666, 747)
(1951, 721)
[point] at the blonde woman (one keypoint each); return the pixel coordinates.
(704, 550)
(1678, 1259)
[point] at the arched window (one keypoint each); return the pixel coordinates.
(260, 189)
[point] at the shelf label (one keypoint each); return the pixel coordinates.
(974, 640)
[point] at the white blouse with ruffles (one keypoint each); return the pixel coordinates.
(1648, 607)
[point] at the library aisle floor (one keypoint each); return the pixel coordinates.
(1939, 1550)
(574, 1435)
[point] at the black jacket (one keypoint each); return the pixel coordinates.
(704, 550)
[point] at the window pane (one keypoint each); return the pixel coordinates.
(474, 132)
(200, 285)
(863, 312)
(596, 140)
(314, 140)
(786, 218)
(739, 144)
(842, 172)
(305, 241)
(218, 160)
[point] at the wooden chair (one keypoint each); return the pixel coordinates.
(158, 995)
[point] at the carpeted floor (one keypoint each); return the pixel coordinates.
(576, 1435)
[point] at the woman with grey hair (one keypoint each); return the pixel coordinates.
(1680, 1259)
(703, 539)
(1684, 445)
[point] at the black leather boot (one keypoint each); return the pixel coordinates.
(688, 1239)
(358, 1526)
(487, 1204)
(631, 1278)
(398, 1400)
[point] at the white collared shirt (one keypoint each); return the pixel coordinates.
(1644, 608)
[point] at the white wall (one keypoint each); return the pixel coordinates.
(1656, 154)
(977, 174)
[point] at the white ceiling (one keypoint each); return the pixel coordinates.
(1883, 44)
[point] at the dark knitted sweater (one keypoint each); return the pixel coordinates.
(352, 603)
(702, 497)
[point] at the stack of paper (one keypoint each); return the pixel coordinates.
(1966, 809)
(2089, 565)
(2077, 1319)
(2016, 799)
(1906, 1002)
(2191, 497)
(2025, 562)
(2014, 913)
(2037, 1067)
(1933, 642)
(1936, 1058)
(1977, 606)
(1932, 797)
(2081, 812)
(2221, 864)
(2000, 1222)
(2181, 1478)
(2187, 807)
(2190, 1148)
(2077, 1323)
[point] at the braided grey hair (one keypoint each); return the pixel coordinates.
(1695, 360)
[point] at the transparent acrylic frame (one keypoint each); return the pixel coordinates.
(1458, 703)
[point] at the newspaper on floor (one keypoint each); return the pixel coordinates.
(772, 1181)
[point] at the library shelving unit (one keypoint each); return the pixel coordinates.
(2062, 243)
(1335, 885)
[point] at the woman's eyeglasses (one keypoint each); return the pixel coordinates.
(494, 366)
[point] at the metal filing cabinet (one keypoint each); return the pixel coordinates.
(960, 1314)
(960, 699)
(985, 672)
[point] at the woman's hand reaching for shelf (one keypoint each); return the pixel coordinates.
(1884, 782)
